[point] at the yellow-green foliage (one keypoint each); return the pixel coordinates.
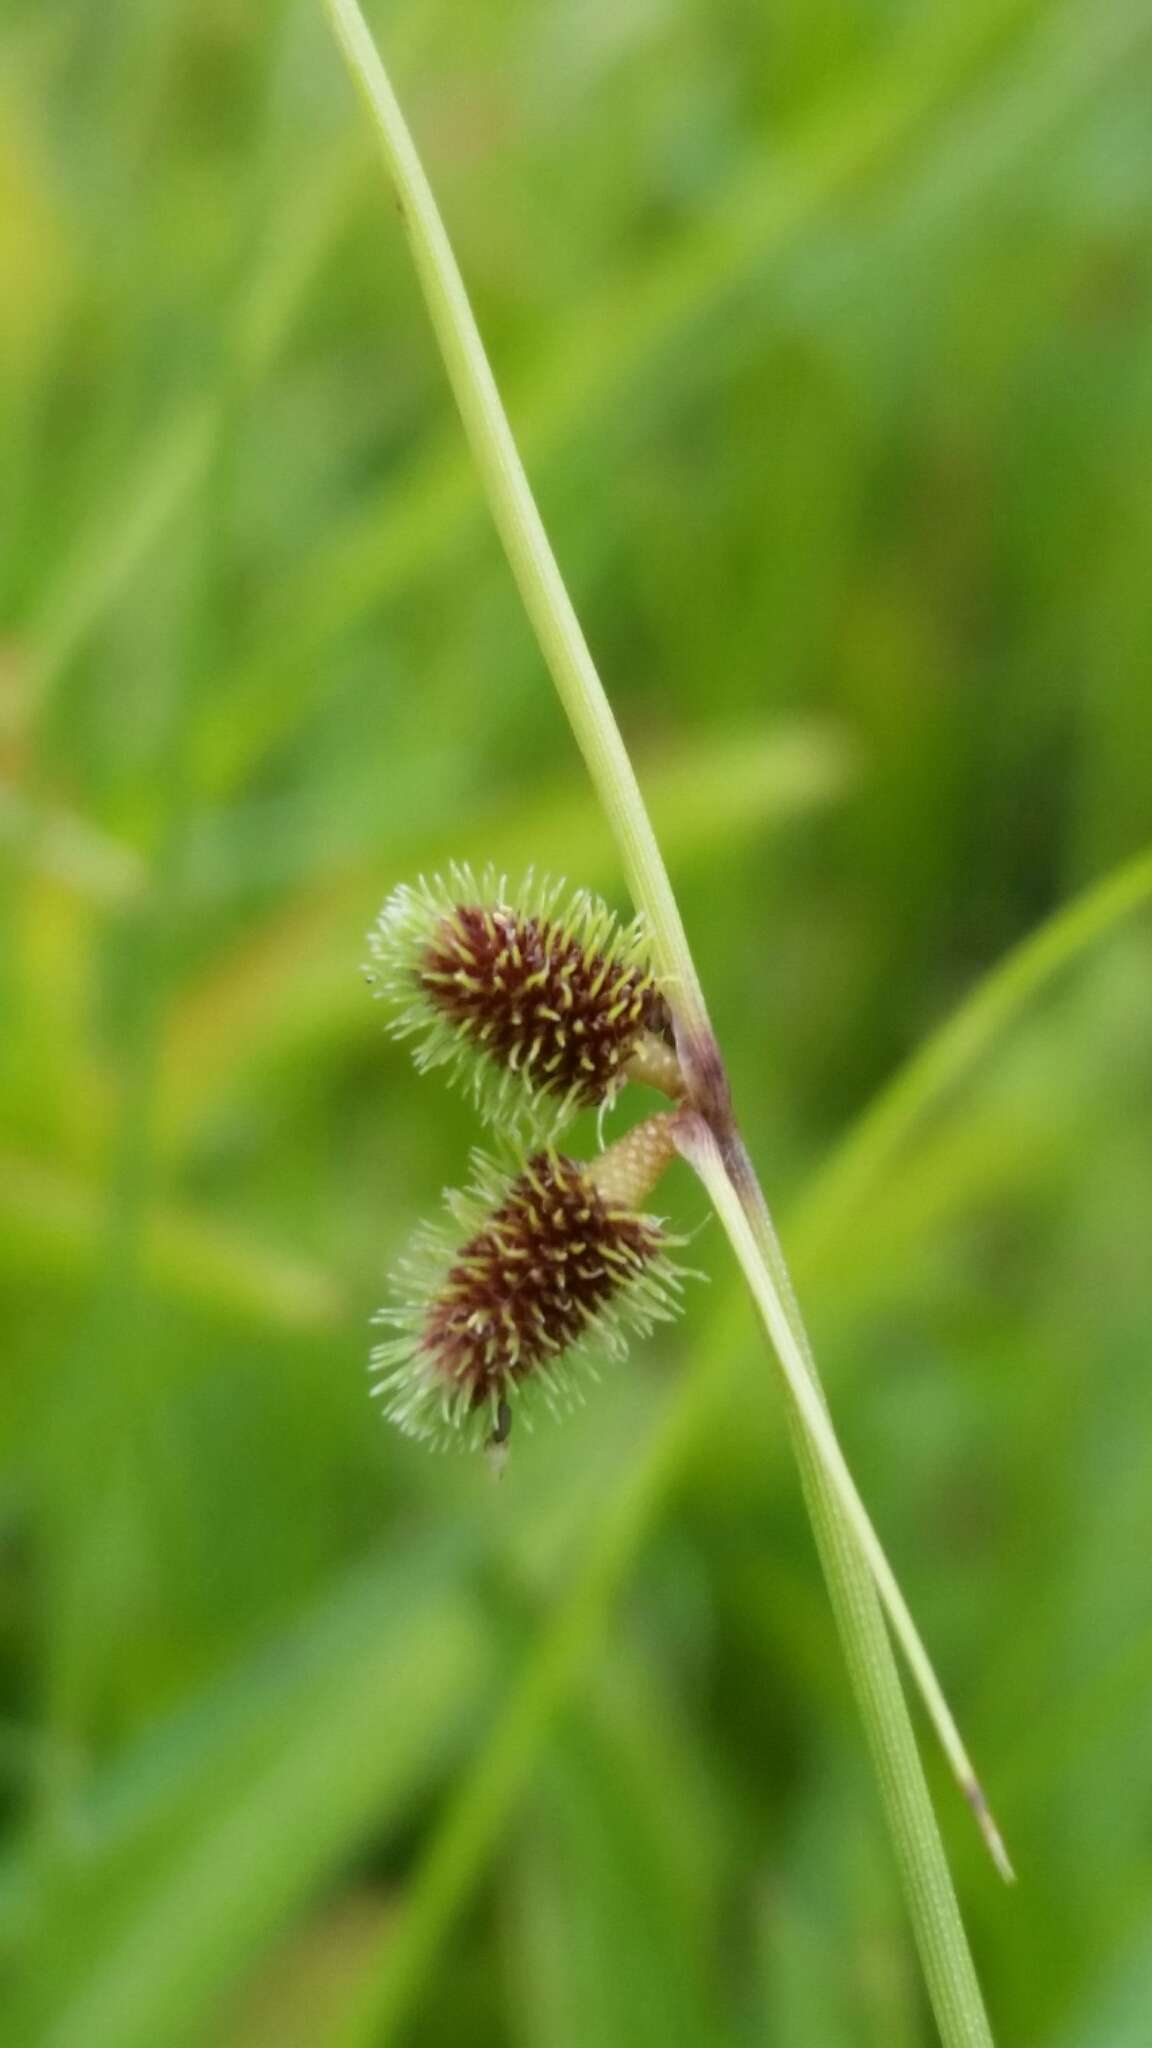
(827, 331)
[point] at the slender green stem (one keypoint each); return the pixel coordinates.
(837, 1514)
(757, 1248)
(933, 1909)
(518, 521)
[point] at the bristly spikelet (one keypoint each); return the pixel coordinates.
(540, 1008)
(549, 1280)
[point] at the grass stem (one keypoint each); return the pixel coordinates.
(851, 1555)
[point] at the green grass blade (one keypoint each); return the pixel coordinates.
(922, 1087)
(224, 1830)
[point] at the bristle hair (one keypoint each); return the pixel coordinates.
(534, 1002)
(549, 1280)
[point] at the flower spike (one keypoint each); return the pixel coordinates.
(541, 1008)
(558, 1265)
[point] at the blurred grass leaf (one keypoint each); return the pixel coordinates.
(220, 1827)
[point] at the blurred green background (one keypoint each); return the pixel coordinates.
(828, 332)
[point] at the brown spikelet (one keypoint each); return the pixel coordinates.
(531, 995)
(544, 1008)
(527, 1285)
(549, 1265)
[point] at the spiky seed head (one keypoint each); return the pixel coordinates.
(550, 1275)
(541, 1006)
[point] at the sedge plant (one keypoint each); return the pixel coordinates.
(552, 1259)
